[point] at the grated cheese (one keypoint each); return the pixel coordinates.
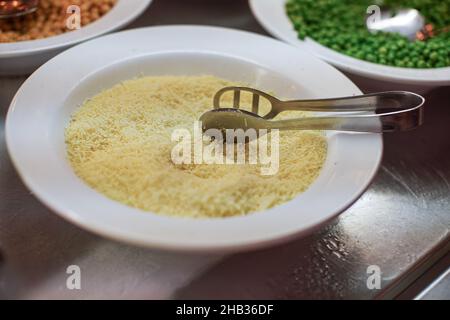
(119, 143)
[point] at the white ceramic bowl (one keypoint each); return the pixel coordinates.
(272, 16)
(24, 57)
(41, 109)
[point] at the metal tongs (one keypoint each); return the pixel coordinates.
(17, 8)
(377, 112)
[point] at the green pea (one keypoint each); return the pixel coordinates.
(382, 50)
(401, 43)
(434, 56)
(360, 55)
(371, 57)
(421, 64)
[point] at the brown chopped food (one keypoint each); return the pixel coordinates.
(50, 19)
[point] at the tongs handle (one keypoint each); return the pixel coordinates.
(375, 123)
(382, 101)
(393, 111)
(388, 101)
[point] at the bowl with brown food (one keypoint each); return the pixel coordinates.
(27, 41)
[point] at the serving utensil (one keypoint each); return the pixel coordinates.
(408, 22)
(376, 112)
(16, 8)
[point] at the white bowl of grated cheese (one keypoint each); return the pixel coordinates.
(42, 109)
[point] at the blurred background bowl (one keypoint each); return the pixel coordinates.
(23, 57)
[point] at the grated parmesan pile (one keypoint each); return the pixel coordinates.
(119, 143)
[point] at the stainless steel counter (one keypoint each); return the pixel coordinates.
(401, 224)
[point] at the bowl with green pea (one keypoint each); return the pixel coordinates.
(335, 30)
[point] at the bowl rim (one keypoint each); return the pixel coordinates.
(272, 17)
(211, 38)
(123, 13)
